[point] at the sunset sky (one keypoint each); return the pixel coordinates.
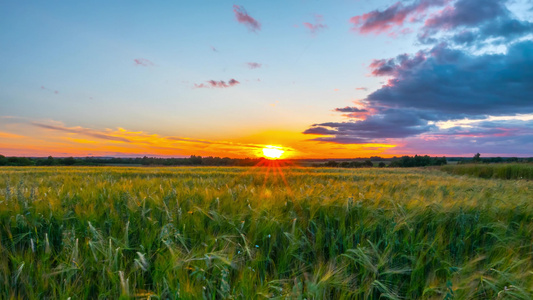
(321, 79)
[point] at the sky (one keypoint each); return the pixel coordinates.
(319, 79)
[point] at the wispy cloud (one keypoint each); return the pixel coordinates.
(143, 62)
(392, 17)
(244, 18)
(83, 131)
(55, 135)
(217, 84)
(7, 135)
(350, 109)
(49, 90)
(317, 26)
(253, 65)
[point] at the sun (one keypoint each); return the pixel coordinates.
(272, 152)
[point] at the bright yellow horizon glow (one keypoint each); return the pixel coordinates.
(272, 152)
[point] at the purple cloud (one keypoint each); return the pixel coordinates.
(350, 109)
(314, 28)
(143, 62)
(394, 16)
(438, 85)
(217, 84)
(478, 19)
(253, 65)
(244, 18)
(391, 67)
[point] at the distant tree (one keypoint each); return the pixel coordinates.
(19, 161)
(345, 164)
(195, 160)
(69, 161)
(381, 165)
(368, 163)
(476, 158)
(49, 161)
(332, 164)
(3, 160)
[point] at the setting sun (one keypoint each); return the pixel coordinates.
(272, 152)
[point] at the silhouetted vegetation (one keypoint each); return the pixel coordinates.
(491, 160)
(402, 162)
(418, 161)
(193, 160)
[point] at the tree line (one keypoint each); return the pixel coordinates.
(477, 159)
(193, 160)
(402, 162)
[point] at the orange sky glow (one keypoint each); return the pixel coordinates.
(56, 139)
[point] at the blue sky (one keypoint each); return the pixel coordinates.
(142, 70)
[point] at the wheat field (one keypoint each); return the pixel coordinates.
(254, 233)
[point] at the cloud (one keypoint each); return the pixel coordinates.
(314, 28)
(362, 89)
(53, 138)
(476, 20)
(446, 94)
(83, 131)
(217, 84)
(391, 123)
(394, 16)
(391, 67)
(350, 109)
(244, 18)
(49, 90)
(7, 135)
(441, 84)
(143, 62)
(490, 139)
(465, 21)
(453, 82)
(253, 65)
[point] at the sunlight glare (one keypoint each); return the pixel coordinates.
(272, 152)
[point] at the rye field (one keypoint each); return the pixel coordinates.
(251, 233)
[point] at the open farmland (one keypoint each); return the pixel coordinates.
(213, 233)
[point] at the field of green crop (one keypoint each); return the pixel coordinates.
(497, 171)
(249, 233)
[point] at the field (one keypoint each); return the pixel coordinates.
(219, 233)
(498, 171)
